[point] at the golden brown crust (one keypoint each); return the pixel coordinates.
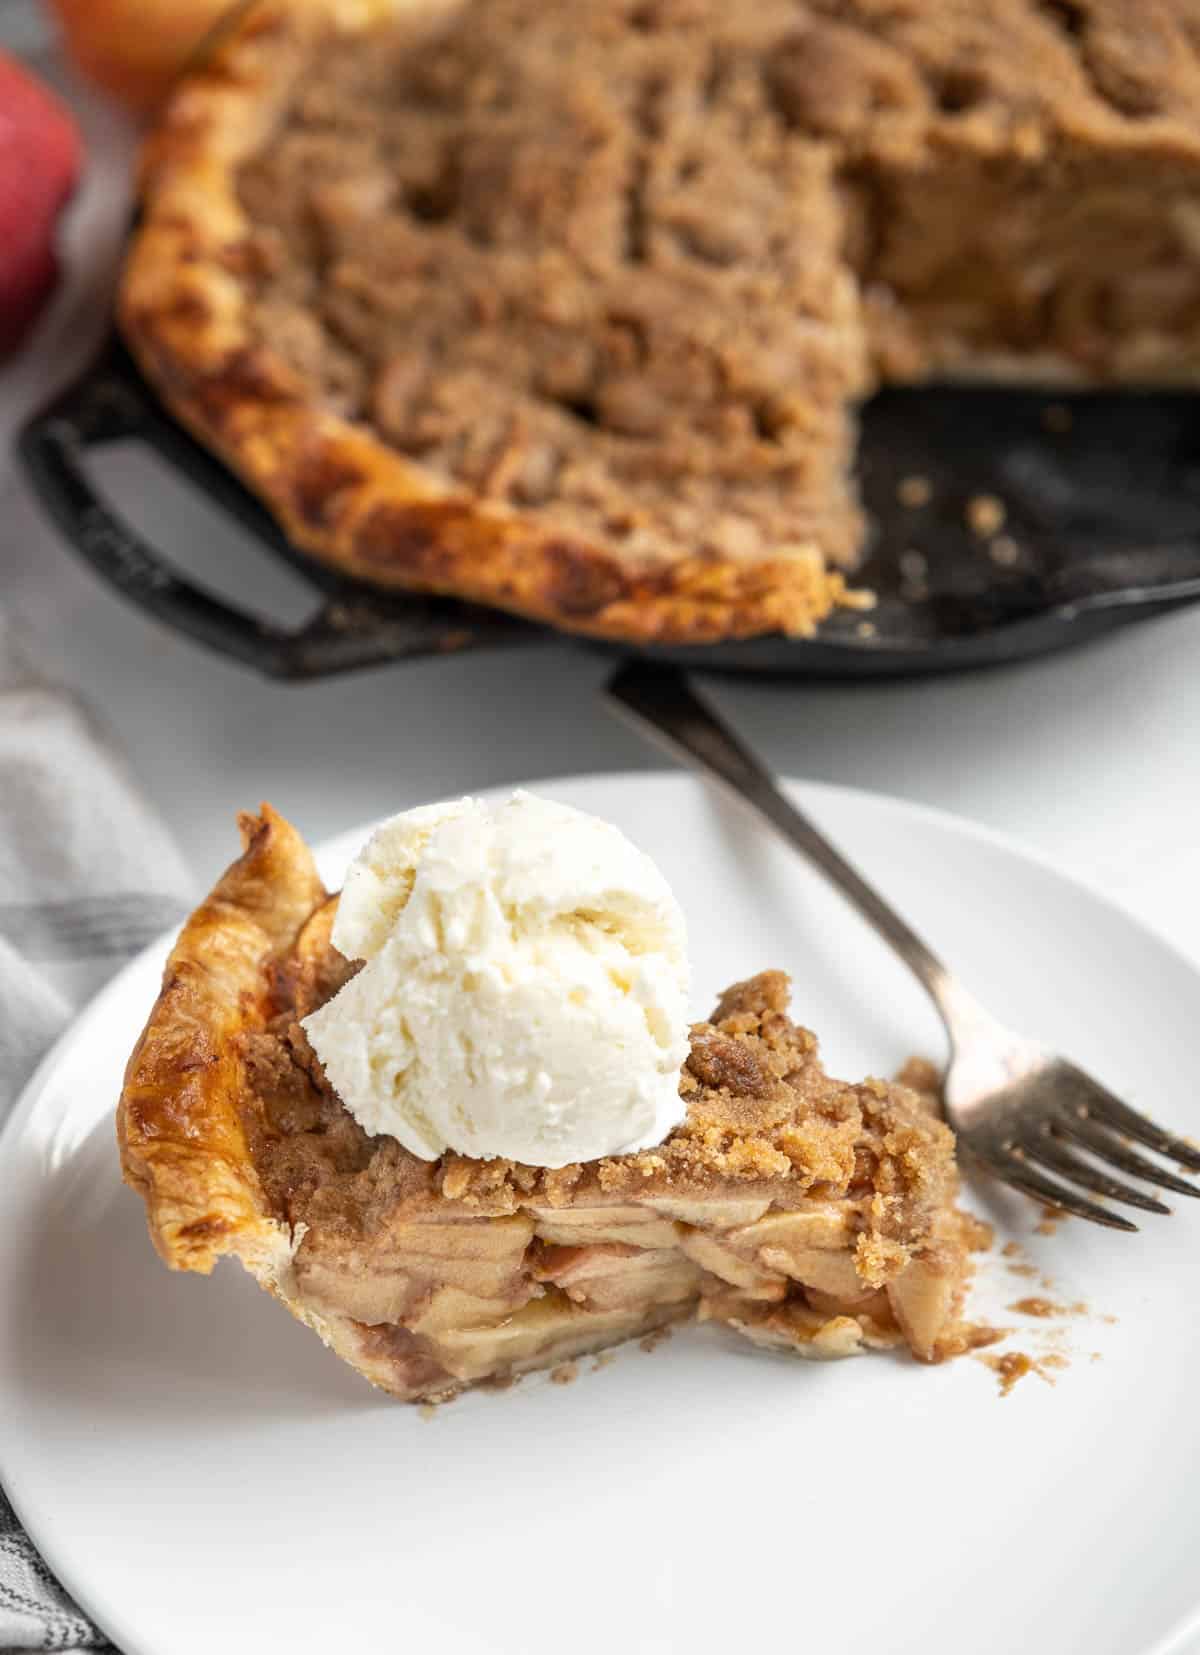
(182, 1143)
(342, 494)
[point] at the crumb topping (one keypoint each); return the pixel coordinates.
(629, 265)
(575, 262)
(761, 1112)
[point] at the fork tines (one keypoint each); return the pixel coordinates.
(1098, 1124)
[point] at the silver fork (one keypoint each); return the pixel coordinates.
(1019, 1109)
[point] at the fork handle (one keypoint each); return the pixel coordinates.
(666, 708)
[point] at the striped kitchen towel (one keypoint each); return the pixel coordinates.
(88, 875)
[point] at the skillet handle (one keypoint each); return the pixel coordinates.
(353, 628)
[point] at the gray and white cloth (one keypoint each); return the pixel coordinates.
(88, 876)
(35, 1612)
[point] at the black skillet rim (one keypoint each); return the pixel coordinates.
(1092, 571)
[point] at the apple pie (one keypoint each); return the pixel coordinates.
(808, 1214)
(567, 308)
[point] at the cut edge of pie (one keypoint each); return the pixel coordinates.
(342, 494)
(807, 1214)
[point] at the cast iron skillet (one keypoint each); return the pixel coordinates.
(1102, 526)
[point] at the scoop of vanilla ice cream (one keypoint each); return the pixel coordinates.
(525, 992)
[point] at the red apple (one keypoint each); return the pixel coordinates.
(40, 155)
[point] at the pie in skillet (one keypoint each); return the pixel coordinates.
(806, 1213)
(566, 308)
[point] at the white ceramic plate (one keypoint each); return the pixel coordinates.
(203, 1474)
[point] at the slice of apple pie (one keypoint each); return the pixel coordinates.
(808, 1214)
